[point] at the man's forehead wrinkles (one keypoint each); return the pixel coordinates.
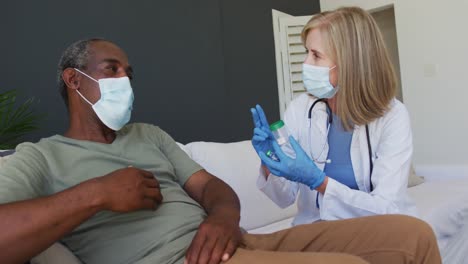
(110, 60)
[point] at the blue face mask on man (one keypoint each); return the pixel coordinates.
(114, 108)
(317, 81)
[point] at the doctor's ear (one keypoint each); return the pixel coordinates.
(71, 78)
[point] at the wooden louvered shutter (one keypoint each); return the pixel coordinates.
(290, 54)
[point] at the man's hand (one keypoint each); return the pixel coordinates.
(216, 240)
(128, 190)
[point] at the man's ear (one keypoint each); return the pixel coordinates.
(71, 78)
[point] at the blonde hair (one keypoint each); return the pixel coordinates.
(366, 77)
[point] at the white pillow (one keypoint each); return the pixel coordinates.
(238, 165)
(414, 179)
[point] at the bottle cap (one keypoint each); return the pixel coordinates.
(277, 125)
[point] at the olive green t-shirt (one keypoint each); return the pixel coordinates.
(157, 237)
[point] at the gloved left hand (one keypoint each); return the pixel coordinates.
(301, 169)
(262, 136)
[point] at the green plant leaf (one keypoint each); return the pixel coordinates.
(16, 121)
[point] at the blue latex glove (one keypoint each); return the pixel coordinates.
(301, 169)
(262, 137)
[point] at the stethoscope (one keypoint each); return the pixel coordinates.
(330, 120)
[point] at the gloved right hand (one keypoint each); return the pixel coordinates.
(301, 169)
(262, 137)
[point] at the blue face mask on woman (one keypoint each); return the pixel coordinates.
(114, 108)
(317, 81)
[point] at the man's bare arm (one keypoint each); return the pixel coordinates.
(29, 227)
(213, 194)
(219, 235)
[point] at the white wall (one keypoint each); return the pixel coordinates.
(433, 50)
(365, 4)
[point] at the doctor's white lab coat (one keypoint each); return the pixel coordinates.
(392, 148)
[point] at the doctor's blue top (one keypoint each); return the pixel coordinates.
(340, 168)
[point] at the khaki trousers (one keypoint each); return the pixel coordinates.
(375, 239)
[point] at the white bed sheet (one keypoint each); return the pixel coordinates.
(456, 249)
(444, 205)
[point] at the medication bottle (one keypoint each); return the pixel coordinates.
(280, 132)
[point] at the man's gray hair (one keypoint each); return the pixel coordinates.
(75, 56)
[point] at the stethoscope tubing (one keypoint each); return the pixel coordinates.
(330, 120)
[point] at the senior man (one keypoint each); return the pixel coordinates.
(118, 193)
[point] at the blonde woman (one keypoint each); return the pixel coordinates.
(352, 139)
